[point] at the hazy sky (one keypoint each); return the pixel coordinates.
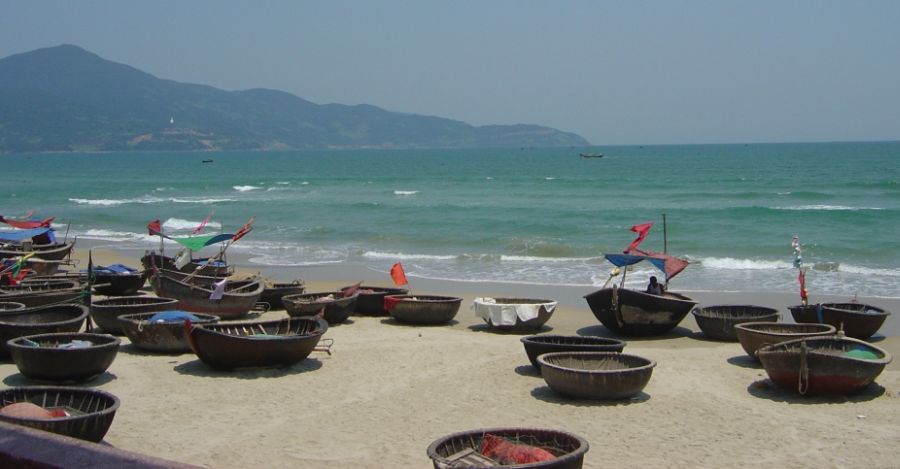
(622, 72)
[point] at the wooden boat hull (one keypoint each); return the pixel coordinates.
(272, 294)
(857, 320)
(821, 365)
(633, 313)
(48, 252)
(55, 364)
(231, 346)
(106, 312)
(119, 285)
(238, 299)
(159, 261)
(34, 294)
(42, 320)
(422, 309)
(537, 345)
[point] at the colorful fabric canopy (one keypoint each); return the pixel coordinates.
(18, 236)
(670, 265)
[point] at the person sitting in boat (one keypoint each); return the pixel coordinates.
(654, 287)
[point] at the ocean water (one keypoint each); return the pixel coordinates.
(525, 215)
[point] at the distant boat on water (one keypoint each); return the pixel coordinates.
(207, 161)
(591, 155)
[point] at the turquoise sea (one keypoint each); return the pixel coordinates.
(526, 215)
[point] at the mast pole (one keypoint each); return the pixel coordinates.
(665, 236)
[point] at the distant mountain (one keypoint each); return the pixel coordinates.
(65, 98)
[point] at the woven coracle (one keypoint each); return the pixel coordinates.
(10, 306)
(46, 362)
(547, 307)
(536, 345)
(273, 292)
(91, 410)
(161, 337)
(857, 320)
(452, 451)
(40, 320)
(106, 312)
(717, 322)
(595, 375)
(423, 309)
(371, 299)
(753, 335)
(823, 365)
(337, 310)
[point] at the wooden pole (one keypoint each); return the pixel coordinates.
(665, 236)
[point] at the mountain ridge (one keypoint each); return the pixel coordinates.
(65, 98)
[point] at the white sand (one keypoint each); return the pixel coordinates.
(389, 390)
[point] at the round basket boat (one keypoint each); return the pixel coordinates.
(421, 309)
(857, 320)
(514, 313)
(160, 336)
(41, 320)
(106, 312)
(595, 375)
(54, 357)
(90, 411)
(371, 299)
(823, 365)
(10, 306)
(464, 449)
(717, 322)
(337, 309)
(273, 292)
(537, 345)
(753, 335)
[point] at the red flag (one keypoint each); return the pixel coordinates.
(398, 275)
(199, 228)
(154, 227)
(244, 230)
(642, 231)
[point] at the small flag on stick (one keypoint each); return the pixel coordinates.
(642, 231)
(398, 275)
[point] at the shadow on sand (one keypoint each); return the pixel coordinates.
(544, 393)
(766, 389)
(200, 369)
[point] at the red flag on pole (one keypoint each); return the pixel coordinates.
(642, 231)
(154, 227)
(398, 275)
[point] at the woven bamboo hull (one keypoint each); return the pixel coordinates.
(638, 313)
(336, 311)
(119, 285)
(372, 304)
(568, 448)
(42, 320)
(754, 335)
(857, 320)
(168, 337)
(227, 346)
(828, 370)
(425, 310)
(537, 345)
(10, 306)
(595, 375)
(95, 410)
(195, 298)
(106, 312)
(48, 252)
(54, 364)
(717, 322)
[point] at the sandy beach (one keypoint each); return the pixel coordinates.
(388, 390)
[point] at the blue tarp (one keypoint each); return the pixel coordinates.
(620, 260)
(18, 236)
